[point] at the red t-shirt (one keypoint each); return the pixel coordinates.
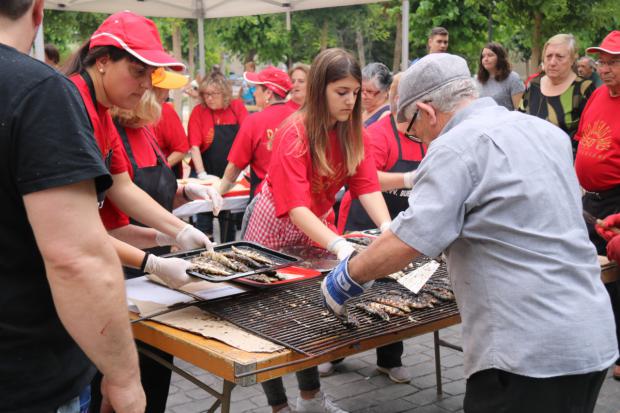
(294, 106)
(254, 142)
(143, 145)
(294, 183)
(598, 155)
(104, 129)
(384, 147)
(169, 131)
(201, 121)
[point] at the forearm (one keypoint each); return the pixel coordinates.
(136, 203)
(375, 207)
(129, 255)
(139, 237)
(197, 159)
(371, 264)
(391, 180)
(230, 177)
(175, 157)
(312, 226)
(516, 100)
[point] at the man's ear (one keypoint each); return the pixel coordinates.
(430, 112)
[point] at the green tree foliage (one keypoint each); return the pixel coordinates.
(68, 30)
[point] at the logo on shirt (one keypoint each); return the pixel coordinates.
(597, 136)
(270, 134)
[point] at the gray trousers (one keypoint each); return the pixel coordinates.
(307, 379)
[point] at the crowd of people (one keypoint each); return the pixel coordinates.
(484, 169)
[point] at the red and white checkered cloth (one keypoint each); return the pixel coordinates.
(268, 230)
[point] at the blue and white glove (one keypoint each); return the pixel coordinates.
(338, 287)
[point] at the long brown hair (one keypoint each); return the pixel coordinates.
(86, 57)
(502, 67)
(330, 66)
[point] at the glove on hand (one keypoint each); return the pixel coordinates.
(190, 238)
(172, 271)
(338, 287)
(197, 191)
(341, 247)
(408, 179)
(610, 221)
(385, 226)
(202, 175)
(164, 240)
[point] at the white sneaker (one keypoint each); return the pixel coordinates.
(396, 374)
(319, 404)
(286, 409)
(327, 369)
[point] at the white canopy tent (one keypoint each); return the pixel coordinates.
(209, 9)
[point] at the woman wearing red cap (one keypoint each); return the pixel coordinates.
(319, 149)
(114, 69)
(212, 128)
(254, 143)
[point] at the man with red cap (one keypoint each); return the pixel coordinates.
(598, 160)
(254, 142)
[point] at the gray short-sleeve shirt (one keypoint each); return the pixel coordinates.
(501, 91)
(497, 191)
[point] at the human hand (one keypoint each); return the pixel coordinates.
(197, 191)
(408, 179)
(338, 287)
(190, 238)
(172, 271)
(202, 175)
(122, 398)
(341, 247)
(606, 230)
(613, 249)
(385, 226)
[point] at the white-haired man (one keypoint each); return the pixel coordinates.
(497, 192)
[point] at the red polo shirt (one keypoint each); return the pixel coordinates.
(294, 183)
(202, 120)
(598, 155)
(169, 131)
(254, 142)
(384, 147)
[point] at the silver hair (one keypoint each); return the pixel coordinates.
(589, 60)
(379, 74)
(446, 98)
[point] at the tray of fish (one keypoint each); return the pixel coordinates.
(235, 260)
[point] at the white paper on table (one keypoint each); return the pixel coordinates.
(141, 289)
(233, 204)
(416, 279)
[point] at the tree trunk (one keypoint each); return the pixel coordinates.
(191, 56)
(324, 33)
(536, 42)
(359, 41)
(398, 44)
(176, 51)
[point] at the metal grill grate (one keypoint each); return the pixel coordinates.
(293, 316)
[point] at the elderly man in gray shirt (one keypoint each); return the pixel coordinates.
(498, 193)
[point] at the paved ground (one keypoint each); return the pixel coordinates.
(358, 387)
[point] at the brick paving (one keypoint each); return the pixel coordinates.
(357, 386)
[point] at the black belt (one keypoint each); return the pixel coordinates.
(601, 195)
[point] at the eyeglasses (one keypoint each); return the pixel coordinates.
(408, 132)
(208, 95)
(610, 63)
(371, 93)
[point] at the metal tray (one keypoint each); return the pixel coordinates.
(281, 260)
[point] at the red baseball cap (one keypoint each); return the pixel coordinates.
(610, 44)
(138, 36)
(272, 78)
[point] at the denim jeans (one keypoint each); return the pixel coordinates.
(72, 406)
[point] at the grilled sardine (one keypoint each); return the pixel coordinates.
(373, 309)
(254, 255)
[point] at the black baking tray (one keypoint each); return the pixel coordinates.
(281, 260)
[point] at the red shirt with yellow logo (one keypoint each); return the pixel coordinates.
(294, 183)
(598, 155)
(254, 142)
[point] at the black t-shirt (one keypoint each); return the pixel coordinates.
(46, 141)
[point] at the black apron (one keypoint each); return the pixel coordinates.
(107, 157)
(397, 200)
(215, 158)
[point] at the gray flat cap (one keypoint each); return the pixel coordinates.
(427, 75)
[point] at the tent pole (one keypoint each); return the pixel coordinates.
(39, 45)
(404, 61)
(288, 20)
(201, 46)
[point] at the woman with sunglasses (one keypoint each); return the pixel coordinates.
(212, 129)
(376, 80)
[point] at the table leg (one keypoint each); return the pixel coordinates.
(437, 363)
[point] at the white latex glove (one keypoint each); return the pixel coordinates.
(197, 191)
(163, 240)
(385, 226)
(190, 238)
(341, 247)
(408, 179)
(203, 175)
(172, 271)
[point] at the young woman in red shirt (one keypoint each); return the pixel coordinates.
(318, 150)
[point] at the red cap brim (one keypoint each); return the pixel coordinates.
(601, 50)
